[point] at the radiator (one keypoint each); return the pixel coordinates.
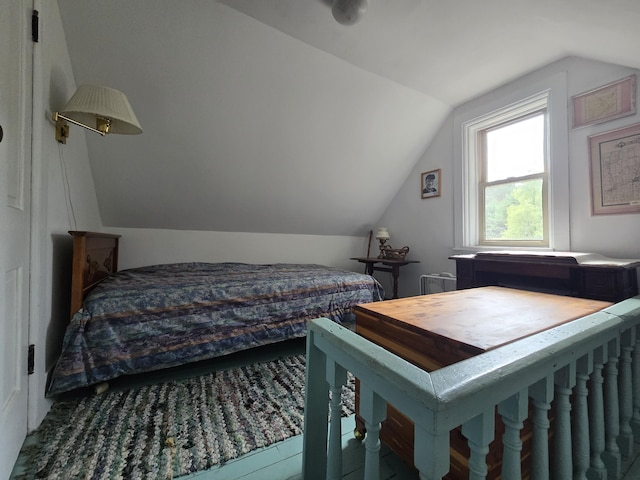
(437, 282)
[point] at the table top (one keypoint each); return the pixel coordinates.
(481, 318)
(385, 261)
(556, 258)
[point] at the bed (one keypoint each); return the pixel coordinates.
(160, 316)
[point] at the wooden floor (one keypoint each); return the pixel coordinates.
(283, 460)
(280, 461)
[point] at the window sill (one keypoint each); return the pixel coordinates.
(484, 248)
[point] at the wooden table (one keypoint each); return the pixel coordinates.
(392, 266)
(433, 331)
(585, 275)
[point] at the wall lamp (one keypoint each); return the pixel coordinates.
(100, 109)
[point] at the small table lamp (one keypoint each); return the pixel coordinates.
(382, 235)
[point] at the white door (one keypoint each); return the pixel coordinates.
(15, 173)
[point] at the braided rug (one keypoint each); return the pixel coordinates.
(175, 428)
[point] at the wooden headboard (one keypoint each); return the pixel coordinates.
(95, 256)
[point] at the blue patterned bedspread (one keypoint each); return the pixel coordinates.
(162, 316)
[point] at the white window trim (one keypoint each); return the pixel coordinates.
(470, 118)
(471, 162)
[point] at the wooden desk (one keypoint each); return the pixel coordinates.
(585, 275)
(433, 331)
(391, 266)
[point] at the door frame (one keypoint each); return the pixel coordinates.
(22, 135)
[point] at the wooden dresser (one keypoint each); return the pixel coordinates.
(433, 331)
(583, 275)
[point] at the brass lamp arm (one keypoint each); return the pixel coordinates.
(62, 132)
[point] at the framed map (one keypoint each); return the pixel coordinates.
(615, 171)
(615, 100)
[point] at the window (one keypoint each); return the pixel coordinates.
(511, 185)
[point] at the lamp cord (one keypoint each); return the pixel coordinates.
(67, 190)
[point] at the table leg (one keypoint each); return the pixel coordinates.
(368, 269)
(395, 272)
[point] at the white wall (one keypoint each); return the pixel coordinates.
(140, 246)
(427, 226)
(278, 136)
(611, 235)
(63, 199)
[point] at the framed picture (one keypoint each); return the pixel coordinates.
(430, 184)
(615, 171)
(614, 100)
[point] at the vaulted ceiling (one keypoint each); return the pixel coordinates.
(269, 116)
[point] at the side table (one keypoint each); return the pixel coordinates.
(389, 265)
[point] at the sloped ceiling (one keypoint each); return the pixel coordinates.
(269, 116)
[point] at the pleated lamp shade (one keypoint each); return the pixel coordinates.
(383, 234)
(91, 104)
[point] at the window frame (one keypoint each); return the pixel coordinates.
(509, 117)
(469, 117)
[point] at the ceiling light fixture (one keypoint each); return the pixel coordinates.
(100, 109)
(348, 12)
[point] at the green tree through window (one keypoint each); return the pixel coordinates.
(514, 211)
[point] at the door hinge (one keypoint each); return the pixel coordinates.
(35, 30)
(31, 360)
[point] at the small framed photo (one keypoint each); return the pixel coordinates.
(614, 100)
(615, 162)
(430, 184)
